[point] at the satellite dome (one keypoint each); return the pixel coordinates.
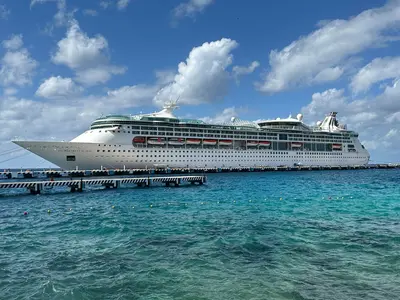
(300, 117)
(319, 123)
(233, 119)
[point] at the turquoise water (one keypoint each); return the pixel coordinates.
(284, 235)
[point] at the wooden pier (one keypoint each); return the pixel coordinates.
(36, 187)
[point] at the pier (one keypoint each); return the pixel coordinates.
(78, 185)
(47, 174)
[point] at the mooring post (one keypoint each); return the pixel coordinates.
(35, 190)
(148, 181)
(116, 184)
(80, 186)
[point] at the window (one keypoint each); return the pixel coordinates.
(70, 157)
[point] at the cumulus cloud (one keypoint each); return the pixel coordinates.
(322, 55)
(75, 114)
(191, 8)
(97, 75)
(132, 96)
(203, 77)
(58, 87)
(4, 12)
(225, 116)
(375, 118)
(240, 70)
(88, 56)
(376, 71)
(17, 66)
(14, 43)
(77, 50)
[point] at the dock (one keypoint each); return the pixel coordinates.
(43, 174)
(78, 185)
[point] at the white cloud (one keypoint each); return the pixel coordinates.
(203, 77)
(16, 67)
(328, 74)
(394, 118)
(122, 4)
(328, 49)
(10, 91)
(14, 43)
(222, 117)
(34, 2)
(4, 12)
(376, 71)
(191, 8)
(240, 70)
(131, 96)
(75, 114)
(88, 56)
(90, 12)
(58, 87)
(321, 103)
(61, 18)
(165, 77)
(204, 70)
(392, 133)
(377, 119)
(77, 50)
(101, 74)
(105, 4)
(41, 118)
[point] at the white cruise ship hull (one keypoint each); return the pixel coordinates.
(89, 156)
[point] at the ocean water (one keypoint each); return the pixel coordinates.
(275, 235)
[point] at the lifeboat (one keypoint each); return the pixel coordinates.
(138, 139)
(252, 143)
(296, 145)
(176, 142)
(337, 146)
(209, 142)
(264, 143)
(193, 141)
(156, 141)
(225, 142)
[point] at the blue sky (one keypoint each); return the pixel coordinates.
(65, 62)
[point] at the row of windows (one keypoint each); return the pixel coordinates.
(226, 152)
(216, 159)
(232, 134)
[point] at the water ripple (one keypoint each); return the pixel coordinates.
(301, 235)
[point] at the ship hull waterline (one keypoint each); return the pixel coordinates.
(91, 156)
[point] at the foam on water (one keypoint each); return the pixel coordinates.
(293, 235)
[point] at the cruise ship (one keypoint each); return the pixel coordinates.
(160, 140)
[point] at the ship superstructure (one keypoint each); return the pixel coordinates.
(162, 140)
